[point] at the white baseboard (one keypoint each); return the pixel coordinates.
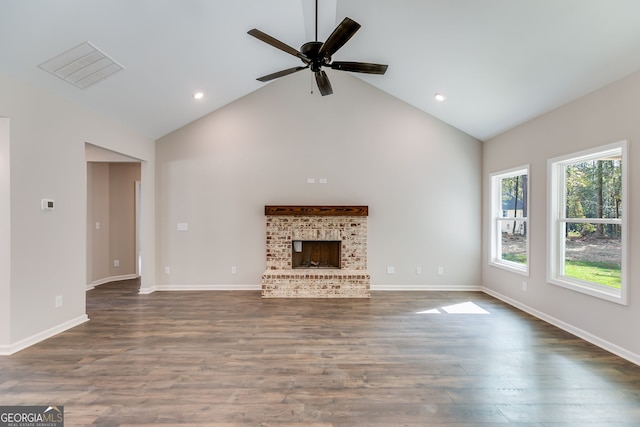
(99, 282)
(222, 287)
(147, 290)
(7, 350)
(425, 287)
(597, 341)
(258, 287)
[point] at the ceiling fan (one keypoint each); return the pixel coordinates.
(316, 55)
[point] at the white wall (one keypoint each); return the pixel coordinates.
(5, 233)
(47, 160)
(419, 177)
(98, 259)
(607, 115)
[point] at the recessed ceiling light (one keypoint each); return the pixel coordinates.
(198, 95)
(439, 97)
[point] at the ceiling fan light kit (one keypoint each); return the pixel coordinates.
(316, 55)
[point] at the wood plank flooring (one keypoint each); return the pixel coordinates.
(398, 359)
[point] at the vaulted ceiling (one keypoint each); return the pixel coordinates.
(499, 62)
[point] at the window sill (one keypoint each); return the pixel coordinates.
(594, 290)
(511, 266)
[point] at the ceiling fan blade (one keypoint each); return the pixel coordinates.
(275, 43)
(359, 67)
(280, 74)
(323, 83)
(339, 37)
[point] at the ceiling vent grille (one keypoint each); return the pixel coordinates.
(82, 66)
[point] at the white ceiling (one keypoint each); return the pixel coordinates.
(499, 62)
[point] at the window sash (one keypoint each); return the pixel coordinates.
(593, 220)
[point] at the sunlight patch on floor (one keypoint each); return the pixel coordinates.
(462, 308)
(432, 311)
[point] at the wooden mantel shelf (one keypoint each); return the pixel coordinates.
(317, 210)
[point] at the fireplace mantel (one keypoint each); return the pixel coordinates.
(286, 210)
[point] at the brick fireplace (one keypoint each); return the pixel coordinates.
(301, 250)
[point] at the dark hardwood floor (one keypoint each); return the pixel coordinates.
(398, 359)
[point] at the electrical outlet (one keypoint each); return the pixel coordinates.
(167, 270)
(418, 270)
(116, 263)
(234, 269)
(59, 301)
(440, 271)
(524, 286)
(391, 270)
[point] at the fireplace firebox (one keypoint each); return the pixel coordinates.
(315, 253)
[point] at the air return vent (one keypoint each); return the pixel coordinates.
(82, 66)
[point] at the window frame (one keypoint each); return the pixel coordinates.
(495, 241)
(556, 220)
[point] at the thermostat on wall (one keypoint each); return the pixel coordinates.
(46, 204)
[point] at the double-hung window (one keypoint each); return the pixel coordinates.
(510, 222)
(587, 222)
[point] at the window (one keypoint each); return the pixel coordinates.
(587, 222)
(510, 223)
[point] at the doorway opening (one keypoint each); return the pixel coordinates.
(114, 194)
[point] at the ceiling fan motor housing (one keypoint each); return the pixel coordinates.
(311, 51)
